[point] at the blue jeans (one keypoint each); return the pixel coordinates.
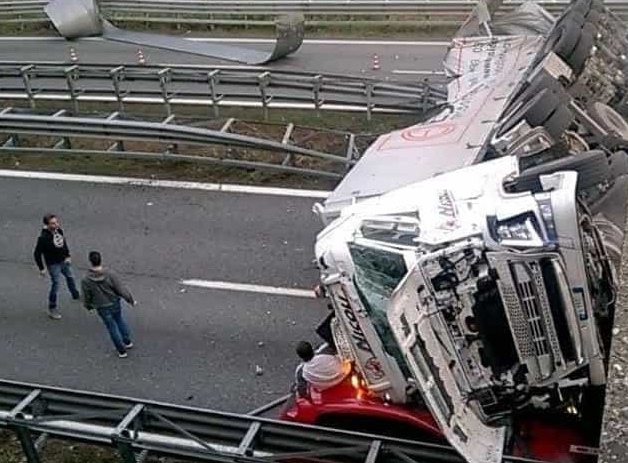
(55, 271)
(116, 326)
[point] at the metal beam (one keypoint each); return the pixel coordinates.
(228, 86)
(196, 433)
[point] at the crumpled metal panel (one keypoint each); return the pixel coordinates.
(527, 19)
(80, 18)
(490, 68)
(75, 18)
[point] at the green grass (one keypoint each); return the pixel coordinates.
(102, 164)
(418, 28)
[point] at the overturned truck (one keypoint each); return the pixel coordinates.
(471, 260)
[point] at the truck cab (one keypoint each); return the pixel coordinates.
(471, 259)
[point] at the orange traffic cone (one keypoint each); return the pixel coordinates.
(141, 59)
(73, 55)
(375, 62)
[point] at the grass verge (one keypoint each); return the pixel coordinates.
(332, 141)
(410, 30)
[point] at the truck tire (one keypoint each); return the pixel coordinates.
(592, 168)
(597, 5)
(538, 84)
(582, 6)
(578, 57)
(563, 39)
(593, 17)
(618, 162)
(559, 121)
(576, 16)
(535, 111)
(609, 119)
(540, 108)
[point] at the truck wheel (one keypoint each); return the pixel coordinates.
(592, 168)
(538, 109)
(559, 121)
(582, 6)
(618, 162)
(609, 119)
(564, 38)
(593, 17)
(538, 84)
(581, 52)
(535, 111)
(597, 5)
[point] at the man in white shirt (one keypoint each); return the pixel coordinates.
(317, 371)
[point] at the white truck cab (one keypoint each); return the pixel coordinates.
(462, 256)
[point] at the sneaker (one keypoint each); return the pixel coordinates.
(123, 355)
(128, 346)
(52, 313)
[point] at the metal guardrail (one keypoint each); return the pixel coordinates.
(213, 87)
(138, 427)
(58, 133)
(261, 12)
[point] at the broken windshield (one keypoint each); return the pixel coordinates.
(377, 274)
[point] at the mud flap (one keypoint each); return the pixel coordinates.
(409, 318)
(81, 18)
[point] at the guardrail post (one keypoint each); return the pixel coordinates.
(213, 79)
(12, 142)
(316, 90)
(126, 452)
(369, 99)
(123, 436)
(71, 76)
(286, 141)
(22, 431)
(28, 445)
(117, 76)
(248, 441)
(165, 77)
(350, 154)
(27, 74)
(426, 94)
(263, 80)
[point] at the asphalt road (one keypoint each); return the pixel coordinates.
(193, 346)
(343, 57)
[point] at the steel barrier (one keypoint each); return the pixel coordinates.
(137, 427)
(261, 12)
(28, 132)
(213, 87)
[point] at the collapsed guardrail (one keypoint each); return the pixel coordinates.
(262, 12)
(213, 87)
(57, 133)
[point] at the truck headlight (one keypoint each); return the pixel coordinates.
(547, 213)
(521, 230)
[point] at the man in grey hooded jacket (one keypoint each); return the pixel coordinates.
(102, 291)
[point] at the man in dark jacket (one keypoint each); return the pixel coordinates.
(52, 246)
(102, 291)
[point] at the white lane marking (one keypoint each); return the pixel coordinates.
(225, 187)
(424, 43)
(421, 73)
(243, 287)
